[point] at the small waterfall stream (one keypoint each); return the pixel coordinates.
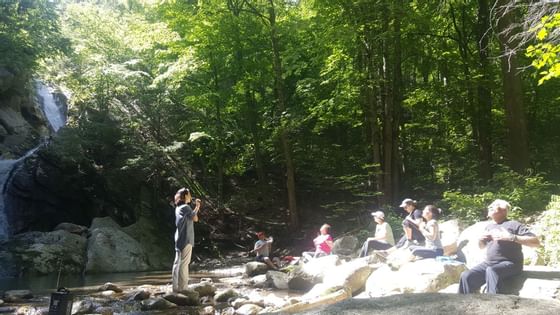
(54, 113)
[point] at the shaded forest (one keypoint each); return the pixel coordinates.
(305, 111)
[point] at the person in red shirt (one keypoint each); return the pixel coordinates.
(323, 244)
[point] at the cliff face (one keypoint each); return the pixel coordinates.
(22, 124)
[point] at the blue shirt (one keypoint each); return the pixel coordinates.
(185, 228)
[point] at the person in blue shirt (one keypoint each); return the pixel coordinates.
(184, 237)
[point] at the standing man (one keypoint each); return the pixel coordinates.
(502, 239)
(184, 237)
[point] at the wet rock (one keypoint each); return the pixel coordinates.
(72, 228)
(110, 286)
(207, 310)
(184, 298)
(237, 303)
(83, 307)
(278, 279)
(203, 288)
(108, 293)
(248, 309)
(224, 296)
(138, 295)
(7, 309)
(345, 246)
(207, 300)
(104, 310)
(112, 250)
(228, 311)
(155, 304)
(254, 268)
(15, 296)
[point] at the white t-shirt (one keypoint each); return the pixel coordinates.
(385, 229)
(264, 250)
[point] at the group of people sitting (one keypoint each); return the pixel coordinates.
(421, 232)
(502, 240)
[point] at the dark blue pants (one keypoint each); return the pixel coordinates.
(426, 252)
(374, 244)
(491, 274)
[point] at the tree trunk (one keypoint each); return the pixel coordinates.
(484, 96)
(513, 90)
(281, 103)
(397, 100)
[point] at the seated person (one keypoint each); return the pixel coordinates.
(383, 238)
(412, 234)
(430, 230)
(504, 258)
(323, 244)
(263, 249)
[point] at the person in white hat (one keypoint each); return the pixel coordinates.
(383, 238)
(412, 234)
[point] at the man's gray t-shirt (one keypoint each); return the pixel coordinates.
(497, 251)
(185, 228)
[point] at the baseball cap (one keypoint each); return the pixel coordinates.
(406, 202)
(378, 214)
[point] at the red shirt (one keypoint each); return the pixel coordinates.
(321, 243)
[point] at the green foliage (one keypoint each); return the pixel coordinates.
(546, 53)
(526, 193)
(548, 226)
(29, 30)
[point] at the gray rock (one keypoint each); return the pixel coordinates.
(189, 297)
(352, 275)
(203, 288)
(345, 246)
(440, 304)
(104, 222)
(46, 252)
(155, 304)
(14, 296)
(259, 281)
(154, 241)
(138, 295)
(112, 250)
(207, 310)
(304, 277)
(1, 302)
(536, 282)
(248, 309)
(254, 268)
(237, 303)
(450, 231)
(278, 279)
(467, 243)
(83, 307)
(228, 311)
(110, 286)
(426, 275)
(225, 295)
(72, 228)
(104, 310)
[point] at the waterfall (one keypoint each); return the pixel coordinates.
(54, 113)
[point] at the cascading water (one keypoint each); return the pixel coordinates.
(54, 113)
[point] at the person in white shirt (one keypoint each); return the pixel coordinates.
(383, 238)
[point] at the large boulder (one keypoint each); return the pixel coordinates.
(17, 296)
(153, 239)
(468, 249)
(278, 279)
(304, 277)
(450, 231)
(72, 228)
(438, 303)
(345, 246)
(536, 282)
(112, 250)
(104, 222)
(352, 275)
(254, 268)
(426, 275)
(46, 252)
